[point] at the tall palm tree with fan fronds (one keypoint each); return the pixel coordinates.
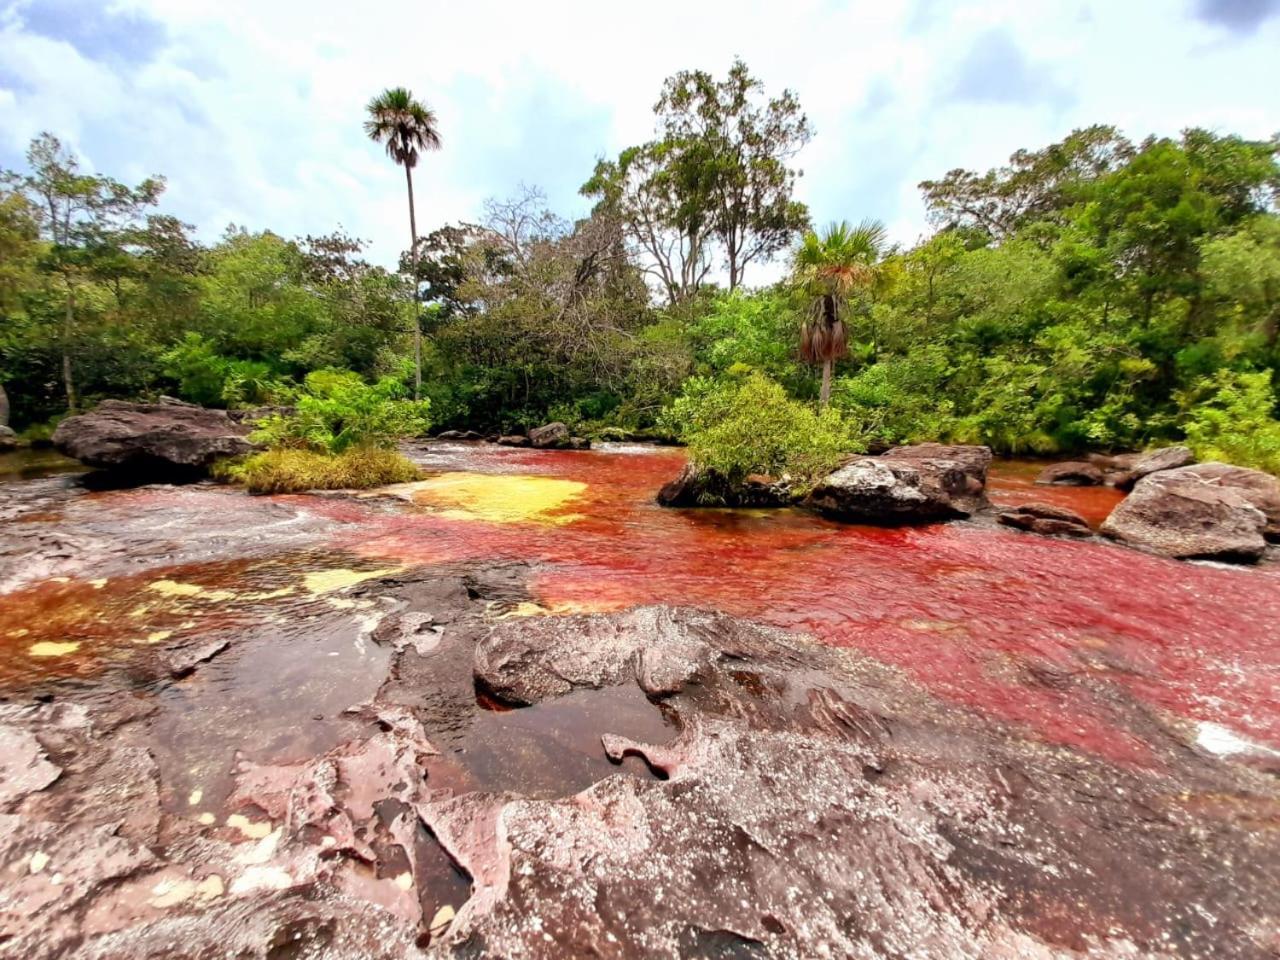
(406, 128)
(831, 268)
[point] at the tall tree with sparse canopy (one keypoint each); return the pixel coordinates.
(406, 127)
(831, 269)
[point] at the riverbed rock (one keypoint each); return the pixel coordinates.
(8, 439)
(1188, 514)
(1130, 468)
(459, 435)
(1046, 519)
(152, 439)
(549, 435)
(1072, 473)
(1259, 488)
(898, 490)
(699, 487)
(515, 440)
(973, 459)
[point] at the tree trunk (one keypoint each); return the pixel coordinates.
(417, 320)
(68, 321)
(4, 407)
(824, 398)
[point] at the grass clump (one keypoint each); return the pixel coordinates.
(295, 471)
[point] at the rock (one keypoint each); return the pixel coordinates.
(1259, 488)
(253, 415)
(515, 440)
(1185, 514)
(696, 487)
(459, 435)
(973, 459)
(1132, 468)
(1073, 473)
(8, 439)
(897, 490)
(1047, 519)
(578, 443)
(24, 766)
(550, 435)
(159, 438)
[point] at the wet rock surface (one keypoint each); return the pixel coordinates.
(906, 485)
(1076, 473)
(1046, 519)
(158, 440)
(268, 745)
(1192, 513)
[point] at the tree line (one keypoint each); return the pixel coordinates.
(1098, 292)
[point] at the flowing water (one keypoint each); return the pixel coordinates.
(984, 617)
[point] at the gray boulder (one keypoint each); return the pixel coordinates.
(897, 490)
(1189, 513)
(1046, 519)
(549, 435)
(1133, 467)
(8, 439)
(152, 439)
(973, 459)
(1259, 488)
(514, 440)
(1073, 473)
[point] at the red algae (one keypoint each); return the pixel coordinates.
(994, 620)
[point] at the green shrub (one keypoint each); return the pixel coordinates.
(1229, 417)
(749, 425)
(337, 410)
(295, 471)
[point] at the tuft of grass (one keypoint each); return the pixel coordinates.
(295, 471)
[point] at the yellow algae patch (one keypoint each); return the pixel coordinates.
(254, 831)
(268, 594)
(170, 893)
(175, 588)
(156, 636)
(261, 878)
(326, 581)
(210, 887)
(500, 499)
(20, 632)
(404, 880)
(39, 860)
(207, 818)
(51, 648)
(440, 922)
(99, 583)
(196, 796)
(528, 608)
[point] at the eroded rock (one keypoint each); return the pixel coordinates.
(159, 439)
(1188, 514)
(1046, 519)
(1073, 473)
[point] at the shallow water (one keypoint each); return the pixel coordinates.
(987, 618)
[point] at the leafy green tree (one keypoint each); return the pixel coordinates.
(406, 128)
(831, 269)
(84, 218)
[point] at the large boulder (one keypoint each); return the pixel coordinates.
(897, 490)
(514, 440)
(8, 439)
(973, 459)
(1131, 468)
(696, 487)
(1259, 488)
(556, 436)
(1073, 473)
(164, 438)
(1190, 513)
(1046, 519)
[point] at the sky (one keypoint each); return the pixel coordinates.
(252, 110)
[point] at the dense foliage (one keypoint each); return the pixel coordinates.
(1096, 293)
(747, 424)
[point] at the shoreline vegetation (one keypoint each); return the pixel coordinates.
(1096, 294)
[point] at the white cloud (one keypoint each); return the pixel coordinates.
(253, 110)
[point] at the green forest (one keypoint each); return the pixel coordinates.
(1101, 292)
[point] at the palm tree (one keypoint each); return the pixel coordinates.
(831, 268)
(406, 127)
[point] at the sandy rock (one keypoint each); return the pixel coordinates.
(1183, 514)
(161, 439)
